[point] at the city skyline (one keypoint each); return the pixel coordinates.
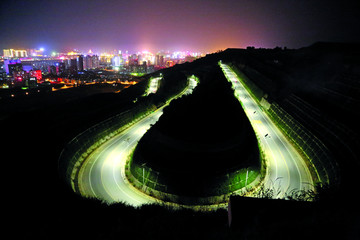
(205, 26)
(33, 52)
(26, 67)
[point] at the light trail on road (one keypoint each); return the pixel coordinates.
(286, 169)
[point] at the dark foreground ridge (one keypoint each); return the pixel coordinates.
(198, 141)
(40, 205)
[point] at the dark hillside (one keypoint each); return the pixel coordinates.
(39, 205)
(319, 87)
(198, 138)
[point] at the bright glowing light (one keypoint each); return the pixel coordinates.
(42, 49)
(72, 53)
(113, 159)
(137, 74)
(153, 85)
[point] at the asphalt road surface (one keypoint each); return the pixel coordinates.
(286, 169)
(103, 173)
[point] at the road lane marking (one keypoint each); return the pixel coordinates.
(288, 148)
(98, 158)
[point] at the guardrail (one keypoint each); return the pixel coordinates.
(77, 150)
(80, 147)
(322, 164)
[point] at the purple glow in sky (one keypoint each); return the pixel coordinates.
(195, 25)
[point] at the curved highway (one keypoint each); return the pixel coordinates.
(103, 173)
(286, 169)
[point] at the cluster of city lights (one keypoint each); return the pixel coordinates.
(114, 57)
(28, 67)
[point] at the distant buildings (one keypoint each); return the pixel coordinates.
(36, 74)
(36, 52)
(18, 66)
(91, 62)
(79, 63)
(159, 60)
(20, 75)
(11, 53)
(11, 66)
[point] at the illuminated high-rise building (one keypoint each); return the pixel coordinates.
(105, 59)
(95, 61)
(8, 53)
(148, 57)
(71, 65)
(36, 52)
(117, 61)
(80, 63)
(12, 53)
(91, 62)
(159, 60)
(88, 62)
(60, 67)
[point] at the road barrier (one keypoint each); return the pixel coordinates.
(320, 161)
(80, 147)
(218, 188)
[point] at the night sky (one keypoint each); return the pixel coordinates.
(195, 25)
